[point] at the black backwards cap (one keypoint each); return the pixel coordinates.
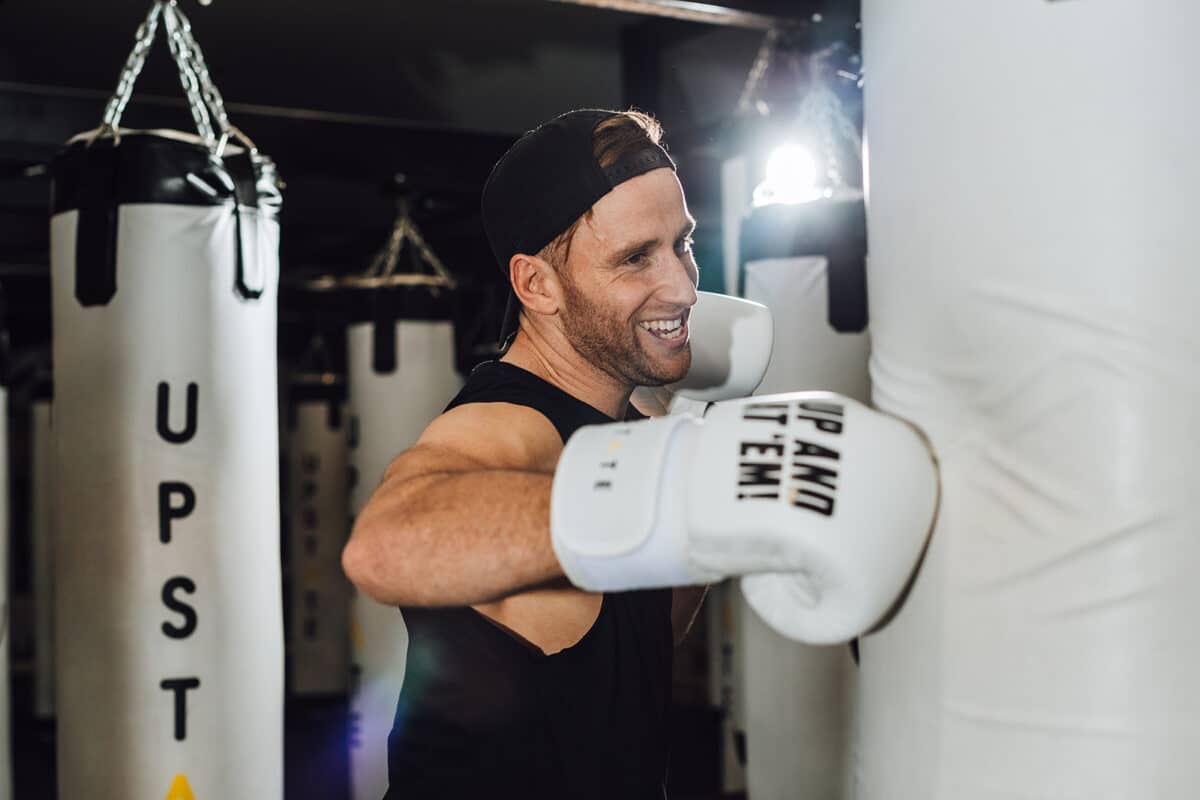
(547, 180)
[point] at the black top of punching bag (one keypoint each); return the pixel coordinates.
(324, 388)
(97, 175)
(833, 228)
(380, 300)
(484, 713)
(353, 298)
(158, 167)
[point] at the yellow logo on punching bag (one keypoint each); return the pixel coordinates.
(180, 790)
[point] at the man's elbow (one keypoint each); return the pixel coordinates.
(363, 565)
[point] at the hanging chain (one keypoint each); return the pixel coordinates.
(405, 230)
(143, 41)
(819, 115)
(205, 102)
(427, 254)
(821, 112)
(212, 96)
(187, 76)
(762, 61)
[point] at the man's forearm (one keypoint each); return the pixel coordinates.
(454, 539)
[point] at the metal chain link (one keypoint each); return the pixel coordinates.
(205, 102)
(212, 96)
(821, 112)
(187, 77)
(384, 261)
(427, 254)
(143, 41)
(762, 60)
(405, 230)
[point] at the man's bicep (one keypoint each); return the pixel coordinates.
(459, 518)
(477, 437)
(427, 461)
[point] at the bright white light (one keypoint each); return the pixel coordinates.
(791, 177)
(792, 163)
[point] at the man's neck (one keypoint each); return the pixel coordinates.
(560, 364)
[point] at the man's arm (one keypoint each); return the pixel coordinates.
(463, 517)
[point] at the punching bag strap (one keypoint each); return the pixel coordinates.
(384, 358)
(208, 106)
(833, 229)
(249, 272)
(847, 291)
(96, 234)
(846, 253)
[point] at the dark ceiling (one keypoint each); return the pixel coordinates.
(493, 65)
(346, 95)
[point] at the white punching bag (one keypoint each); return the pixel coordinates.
(317, 508)
(41, 526)
(805, 262)
(736, 191)
(402, 374)
(1034, 286)
(724, 608)
(168, 623)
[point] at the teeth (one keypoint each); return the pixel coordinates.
(664, 328)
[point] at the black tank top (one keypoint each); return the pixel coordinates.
(485, 714)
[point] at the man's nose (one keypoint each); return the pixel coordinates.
(679, 282)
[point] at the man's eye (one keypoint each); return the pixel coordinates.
(637, 259)
(685, 245)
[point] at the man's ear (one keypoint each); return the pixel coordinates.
(535, 283)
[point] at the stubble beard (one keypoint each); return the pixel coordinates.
(607, 341)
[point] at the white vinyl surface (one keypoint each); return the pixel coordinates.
(147, 628)
(808, 354)
(797, 700)
(1034, 286)
(391, 410)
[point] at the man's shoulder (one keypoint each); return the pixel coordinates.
(499, 435)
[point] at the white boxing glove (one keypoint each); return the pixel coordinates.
(811, 484)
(731, 342)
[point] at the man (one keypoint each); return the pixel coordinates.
(525, 686)
(517, 683)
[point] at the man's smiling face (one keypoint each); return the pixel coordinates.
(630, 280)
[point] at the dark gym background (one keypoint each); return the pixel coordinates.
(356, 100)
